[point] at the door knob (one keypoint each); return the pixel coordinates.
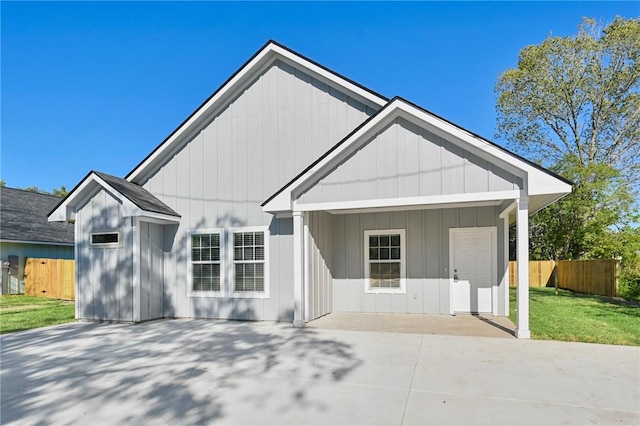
(455, 275)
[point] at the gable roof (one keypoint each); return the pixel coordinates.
(540, 181)
(136, 200)
(23, 218)
(263, 58)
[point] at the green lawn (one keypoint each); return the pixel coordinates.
(20, 312)
(574, 317)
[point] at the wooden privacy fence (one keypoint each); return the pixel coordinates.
(540, 273)
(50, 278)
(593, 276)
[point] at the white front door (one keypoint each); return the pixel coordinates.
(473, 256)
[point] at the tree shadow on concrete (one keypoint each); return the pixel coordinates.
(168, 371)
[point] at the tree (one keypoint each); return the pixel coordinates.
(577, 97)
(573, 105)
(60, 192)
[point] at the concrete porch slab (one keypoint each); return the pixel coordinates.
(482, 325)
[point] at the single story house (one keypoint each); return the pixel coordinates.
(26, 232)
(293, 192)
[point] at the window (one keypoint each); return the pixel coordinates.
(103, 239)
(205, 262)
(384, 261)
(229, 262)
(249, 261)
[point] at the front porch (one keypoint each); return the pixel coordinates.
(482, 325)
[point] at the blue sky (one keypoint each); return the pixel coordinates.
(99, 85)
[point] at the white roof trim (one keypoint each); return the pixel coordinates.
(536, 181)
(66, 211)
(270, 53)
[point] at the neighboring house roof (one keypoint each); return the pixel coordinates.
(543, 186)
(136, 201)
(23, 218)
(267, 55)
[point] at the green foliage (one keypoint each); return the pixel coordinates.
(60, 192)
(20, 312)
(576, 97)
(592, 222)
(574, 317)
(573, 105)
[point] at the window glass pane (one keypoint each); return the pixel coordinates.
(237, 253)
(215, 240)
(237, 239)
(395, 253)
(259, 253)
(215, 254)
(374, 273)
(195, 254)
(205, 254)
(384, 241)
(195, 241)
(109, 238)
(394, 270)
(374, 254)
(259, 286)
(259, 270)
(384, 253)
(395, 240)
(248, 253)
(248, 239)
(205, 240)
(373, 241)
(259, 238)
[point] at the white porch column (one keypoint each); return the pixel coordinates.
(505, 257)
(298, 269)
(522, 257)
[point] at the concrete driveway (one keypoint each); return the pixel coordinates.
(182, 372)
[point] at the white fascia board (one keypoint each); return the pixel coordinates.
(486, 198)
(66, 210)
(263, 59)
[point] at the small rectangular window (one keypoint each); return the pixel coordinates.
(105, 238)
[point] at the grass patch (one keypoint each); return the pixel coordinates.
(574, 317)
(18, 313)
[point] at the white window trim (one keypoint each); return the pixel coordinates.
(105, 245)
(403, 262)
(198, 293)
(231, 268)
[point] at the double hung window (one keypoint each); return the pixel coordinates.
(205, 262)
(385, 261)
(229, 263)
(248, 261)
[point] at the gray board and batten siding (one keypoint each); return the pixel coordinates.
(336, 253)
(104, 275)
(270, 131)
(405, 160)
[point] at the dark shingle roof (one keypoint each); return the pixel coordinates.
(137, 195)
(23, 217)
